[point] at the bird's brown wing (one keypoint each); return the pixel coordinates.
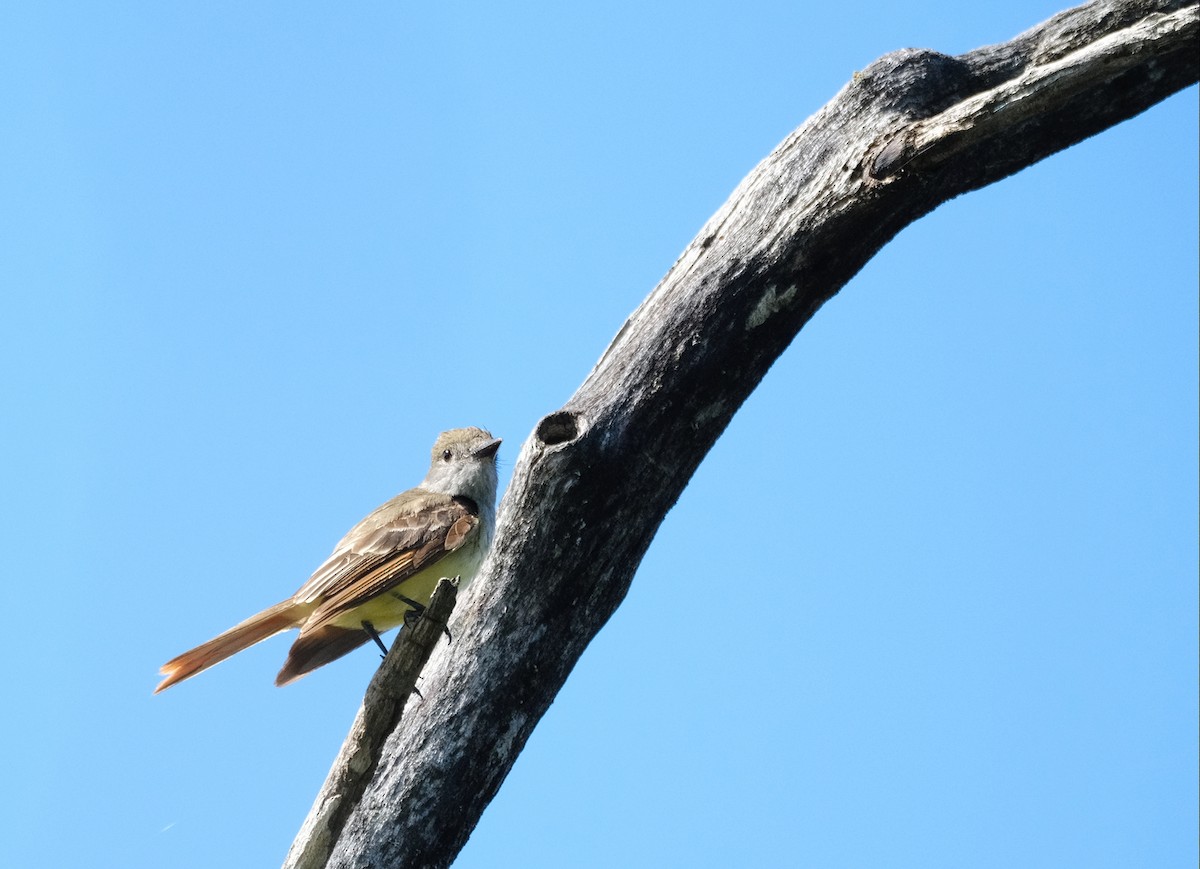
(400, 538)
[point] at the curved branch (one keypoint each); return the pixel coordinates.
(595, 479)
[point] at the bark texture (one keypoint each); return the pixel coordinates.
(391, 687)
(594, 480)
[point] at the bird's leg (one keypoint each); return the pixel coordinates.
(419, 607)
(415, 609)
(374, 635)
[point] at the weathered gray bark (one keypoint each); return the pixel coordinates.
(393, 684)
(595, 479)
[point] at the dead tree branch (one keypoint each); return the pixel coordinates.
(391, 687)
(595, 479)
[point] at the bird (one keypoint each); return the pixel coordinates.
(386, 566)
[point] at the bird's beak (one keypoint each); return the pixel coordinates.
(488, 450)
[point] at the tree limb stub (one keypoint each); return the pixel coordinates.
(387, 695)
(595, 479)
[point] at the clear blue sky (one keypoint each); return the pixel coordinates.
(253, 257)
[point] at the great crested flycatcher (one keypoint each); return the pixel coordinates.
(387, 566)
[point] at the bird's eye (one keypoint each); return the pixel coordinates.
(447, 455)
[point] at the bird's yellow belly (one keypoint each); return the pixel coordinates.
(387, 610)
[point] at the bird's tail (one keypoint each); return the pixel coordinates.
(253, 630)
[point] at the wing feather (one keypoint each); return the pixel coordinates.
(400, 538)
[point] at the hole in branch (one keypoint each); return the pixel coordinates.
(558, 428)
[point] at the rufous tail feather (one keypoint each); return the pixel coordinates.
(317, 648)
(253, 630)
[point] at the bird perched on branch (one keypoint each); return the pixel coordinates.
(386, 566)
